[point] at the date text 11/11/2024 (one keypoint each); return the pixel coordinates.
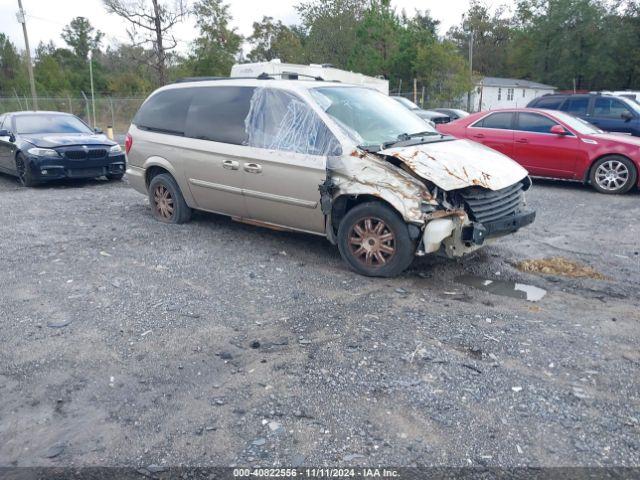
(315, 473)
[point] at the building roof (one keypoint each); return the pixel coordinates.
(513, 82)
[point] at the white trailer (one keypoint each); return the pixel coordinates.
(326, 72)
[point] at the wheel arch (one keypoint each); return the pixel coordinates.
(344, 202)
(587, 174)
(154, 171)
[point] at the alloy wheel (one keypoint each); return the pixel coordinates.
(612, 175)
(164, 202)
(372, 242)
(21, 169)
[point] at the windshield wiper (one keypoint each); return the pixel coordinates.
(406, 139)
(409, 136)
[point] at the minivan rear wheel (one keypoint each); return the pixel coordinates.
(167, 202)
(374, 240)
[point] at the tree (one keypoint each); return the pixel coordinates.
(12, 68)
(491, 38)
(151, 23)
(561, 42)
(443, 71)
(377, 40)
(130, 73)
(419, 30)
(80, 36)
(331, 29)
(273, 40)
(51, 69)
(215, 50)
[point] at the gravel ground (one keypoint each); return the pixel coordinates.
(129, 342)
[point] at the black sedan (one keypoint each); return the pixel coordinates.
(429, 116)
(453, 113)
(41, 146)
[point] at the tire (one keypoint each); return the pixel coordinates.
(167, 202)
(115, 176)
(24, 173)
(374, 241)
(613, 174)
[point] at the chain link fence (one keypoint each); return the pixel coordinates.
(424, 100)
(109, 111)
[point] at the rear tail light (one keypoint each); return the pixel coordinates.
(127, 143)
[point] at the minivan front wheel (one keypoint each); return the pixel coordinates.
(374, 240)
(613, 174)
(167, 202)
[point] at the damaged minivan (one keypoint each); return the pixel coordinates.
(345, 162)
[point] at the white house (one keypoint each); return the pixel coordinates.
(492, 93)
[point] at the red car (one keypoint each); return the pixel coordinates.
(555, 144)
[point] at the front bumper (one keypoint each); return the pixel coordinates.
(476, 233)
(48, 168)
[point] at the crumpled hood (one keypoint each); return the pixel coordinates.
(52, 140)
(456, 164)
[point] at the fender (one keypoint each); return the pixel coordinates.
(366, 174)
(156, 161)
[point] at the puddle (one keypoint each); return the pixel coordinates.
(504, 288)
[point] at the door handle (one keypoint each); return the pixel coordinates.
(522, 140)
(252, 168)
(230, 165)
(478, 135)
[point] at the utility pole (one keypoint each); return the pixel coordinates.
(470, 70)
(93, 98)
(21, 19)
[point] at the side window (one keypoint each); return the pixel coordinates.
(501, 120)
(552, 103)
(576, 105)
(280, 120)
(1, 121)
(165, 112)
(218, 114)
(532, 122)
(609, 108)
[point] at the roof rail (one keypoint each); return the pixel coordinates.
(262, 76)
(290, 76)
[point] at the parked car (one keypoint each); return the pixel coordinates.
(340, 161)
(453, 113)
(607, 112)
(555, 144)
(40, 146)
(428, 115)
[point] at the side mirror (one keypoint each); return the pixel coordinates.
(558, 130)
(7, 133)
(98, 130)
(626, 116)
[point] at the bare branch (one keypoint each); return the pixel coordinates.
(156, 20)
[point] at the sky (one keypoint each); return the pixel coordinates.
(46, 18)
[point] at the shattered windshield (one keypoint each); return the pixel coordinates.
(368, 116)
